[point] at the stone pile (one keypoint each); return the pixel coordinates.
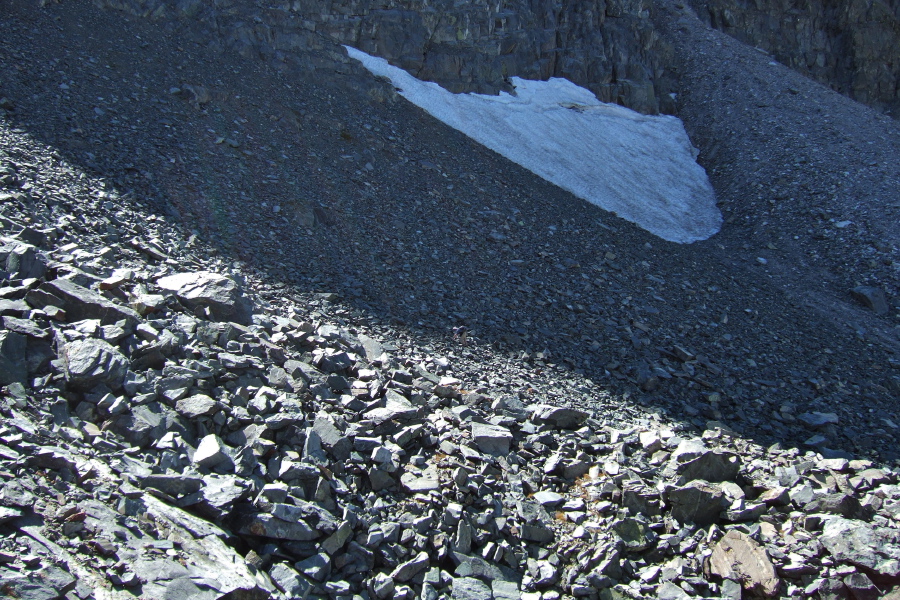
(169, 434)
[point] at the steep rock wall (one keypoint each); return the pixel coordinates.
(607, 46)
(853, 45)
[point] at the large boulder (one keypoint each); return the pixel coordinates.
(220, 296)
(90, 362)
(872, 548)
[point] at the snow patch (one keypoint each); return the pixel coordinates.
(643, 168)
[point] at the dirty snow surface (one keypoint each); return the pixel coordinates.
(640, 167)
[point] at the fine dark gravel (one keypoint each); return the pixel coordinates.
(332, 184)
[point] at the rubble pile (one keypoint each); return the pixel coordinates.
(170, 433)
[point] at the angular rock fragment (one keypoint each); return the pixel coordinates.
(469, 588)
(636, 534)
(697, 502)
(270, 526)
(46, 583)
(195, 406)
(406, 571)
(289, 581)
(491, 439)
(738, 557)
(220, 295)
(714, 467)
(317, 567)
(173, 485)
(13, 368)
(91, 362)
(560, 417)
(844, 505)
(211, 452)
(872, 298)
(863, 545)
(81, 303)
(818, 420)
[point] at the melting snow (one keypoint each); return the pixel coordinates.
(640, 167)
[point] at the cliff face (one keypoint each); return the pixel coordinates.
(853, 46)
(607, 46)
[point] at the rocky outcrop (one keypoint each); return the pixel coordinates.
(854, 47)
(609, 47)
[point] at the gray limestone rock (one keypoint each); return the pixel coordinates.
(289, 581)
(560, 417)
(688, 450)
(697, 502)
(13, 368)
(24, 261)
(337, 539)
(267, 525)
(818, 420)
(210, 452)
(406, 571)
(670, 591)
(173, 485)
(220, 295)
(46, 583)
(396, 407)
(317, 567)
(198, 405)
(636, 534)
(714, 467)
(90, 362)
(82, 303)
(491, 439)
(25, 327)
(469, 588)
(861, 587)
(844, 505)
(864, 545)
(337, 444)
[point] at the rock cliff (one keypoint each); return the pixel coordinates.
(609, 47)
(852, 46)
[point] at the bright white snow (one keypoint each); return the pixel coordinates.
(640, 167)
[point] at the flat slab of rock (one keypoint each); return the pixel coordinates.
(415, 484)
(469, 588)
(220, 295)
(714, 467)
(198, 405)
(738, 557)
(411, 568)
(81, 303)
(818, 420)
(270, 526)
(491, 439)
(558, 416)
(173, 485)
